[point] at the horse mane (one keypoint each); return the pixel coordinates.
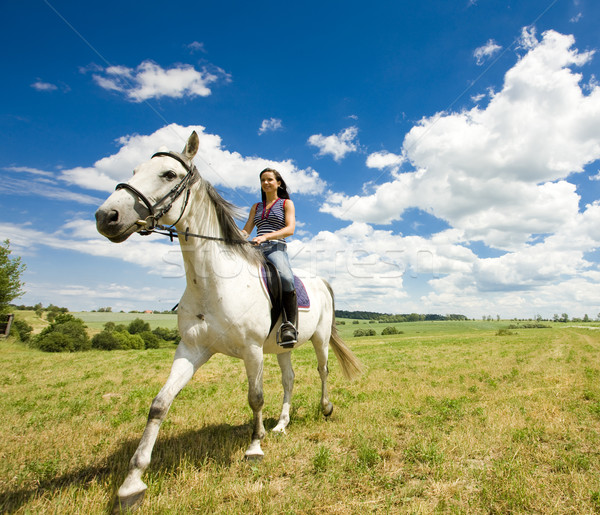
(227, 213)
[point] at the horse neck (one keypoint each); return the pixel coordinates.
(206, 260)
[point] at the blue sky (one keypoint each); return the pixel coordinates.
(442, 156)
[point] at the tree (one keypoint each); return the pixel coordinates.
(11, 269)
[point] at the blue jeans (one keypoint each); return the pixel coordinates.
(276, 253)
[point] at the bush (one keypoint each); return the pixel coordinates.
(151, 341)
(364, 332)
(21, 330)
(129, 341)
(117, 340)
(106, 340)
(74, 336)
(504, 332)
(138, 326)
(56, 342)
(389, 330)
(115, 337)
(169, 335)
(110, 326)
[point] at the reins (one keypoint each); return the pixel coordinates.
(171, 232)
(185, 184)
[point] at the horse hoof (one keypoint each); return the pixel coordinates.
(328, 411)
(254, 452)
(128, 503)
(254, 458)
(280, 428)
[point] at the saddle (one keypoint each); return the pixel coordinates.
(272, 283)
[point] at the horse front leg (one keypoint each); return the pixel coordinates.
(185, 364)
(254, 371)
(287, 381)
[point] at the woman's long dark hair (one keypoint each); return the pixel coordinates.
(282, 191)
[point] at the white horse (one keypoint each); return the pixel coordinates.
(224, 307)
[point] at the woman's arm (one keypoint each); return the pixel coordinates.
(250, 223)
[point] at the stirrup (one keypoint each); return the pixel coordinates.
(288, 344)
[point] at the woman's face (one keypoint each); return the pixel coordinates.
(268, 182)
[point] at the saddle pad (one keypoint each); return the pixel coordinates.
(301, 293)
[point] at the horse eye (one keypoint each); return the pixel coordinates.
(169, 175)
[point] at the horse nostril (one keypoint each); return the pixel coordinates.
(113, 216)
(107, 217)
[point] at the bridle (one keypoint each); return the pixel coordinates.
(150, 222)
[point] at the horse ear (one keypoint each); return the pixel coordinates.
(191, 147)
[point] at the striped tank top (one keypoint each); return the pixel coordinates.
(270, 220)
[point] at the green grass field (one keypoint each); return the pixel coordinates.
(450, 417)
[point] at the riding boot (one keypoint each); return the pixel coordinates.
(289, 333)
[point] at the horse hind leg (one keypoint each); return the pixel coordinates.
(287, 380)
(131, 493)
(321, 350)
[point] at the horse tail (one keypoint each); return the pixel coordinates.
(352, 368)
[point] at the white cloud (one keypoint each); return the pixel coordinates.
(26, 169)
(44, 86)
(385, 160)
(151, 252)
(270, 125)
(150, 80)
(528, 39)
(42, 184)
(219, 166)
(336, 145)
(196, 46)
(483, 53)
(152, 255)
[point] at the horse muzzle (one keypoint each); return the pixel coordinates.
(110, 224)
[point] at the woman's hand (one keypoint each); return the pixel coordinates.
(257, 240)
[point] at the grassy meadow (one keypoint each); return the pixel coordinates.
(450, 417)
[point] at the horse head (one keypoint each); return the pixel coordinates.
(158, 191)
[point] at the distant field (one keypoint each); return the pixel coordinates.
(95, 320)
(448, 418)
(415, 328)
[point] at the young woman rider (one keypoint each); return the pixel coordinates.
(275, 220)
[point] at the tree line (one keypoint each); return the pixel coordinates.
(387, 318)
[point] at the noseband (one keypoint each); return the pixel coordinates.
(185, 184)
